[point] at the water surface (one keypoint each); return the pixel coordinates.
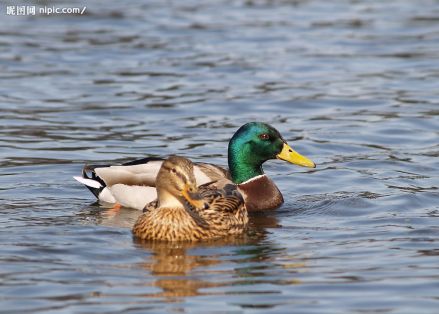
(353, 85)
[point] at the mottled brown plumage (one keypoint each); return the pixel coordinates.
(184, 212)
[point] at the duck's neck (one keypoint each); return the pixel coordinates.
(166, 199)
(243, 166)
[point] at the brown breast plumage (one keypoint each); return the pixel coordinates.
(261, 193)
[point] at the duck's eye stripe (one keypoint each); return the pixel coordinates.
(178, 174)
(166, 168)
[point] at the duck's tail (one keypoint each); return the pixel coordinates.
(95, 184)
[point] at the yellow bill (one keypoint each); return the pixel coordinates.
(194, 199)
(290, 155)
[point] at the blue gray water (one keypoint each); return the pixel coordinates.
(354, 85)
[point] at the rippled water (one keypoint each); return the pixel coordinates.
(351, 84)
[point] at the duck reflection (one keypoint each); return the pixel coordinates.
(177, 267)
(172, 265)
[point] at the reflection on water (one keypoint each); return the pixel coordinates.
(351, 84)
(172, 263)
(181, 271)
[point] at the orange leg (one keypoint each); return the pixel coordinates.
(113, 211)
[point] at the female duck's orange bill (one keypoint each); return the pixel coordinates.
(194, 198)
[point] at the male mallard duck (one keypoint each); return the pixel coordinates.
(133, 184)
(184, 212)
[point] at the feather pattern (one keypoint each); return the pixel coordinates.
(125, 183)
(224, 214)
(250, 146)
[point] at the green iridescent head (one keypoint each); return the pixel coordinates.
(252, 145)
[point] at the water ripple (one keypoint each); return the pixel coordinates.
(351, 84)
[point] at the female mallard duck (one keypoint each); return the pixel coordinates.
(184, 212)
(133, 184)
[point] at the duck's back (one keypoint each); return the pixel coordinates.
(227, 212)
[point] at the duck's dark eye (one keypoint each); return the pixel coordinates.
(173, 170)
(264, 136)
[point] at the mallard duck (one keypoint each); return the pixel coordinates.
(133, 184)
(185, 212)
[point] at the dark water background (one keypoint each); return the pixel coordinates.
(351, 84)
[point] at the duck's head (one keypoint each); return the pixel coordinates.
(176, 184)
(252, 145)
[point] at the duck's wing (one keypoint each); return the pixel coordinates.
(137, 172)
(133, 182)
(130, 184)
(100, 179)
(226, 212)
(222, 196)
(144, 172)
